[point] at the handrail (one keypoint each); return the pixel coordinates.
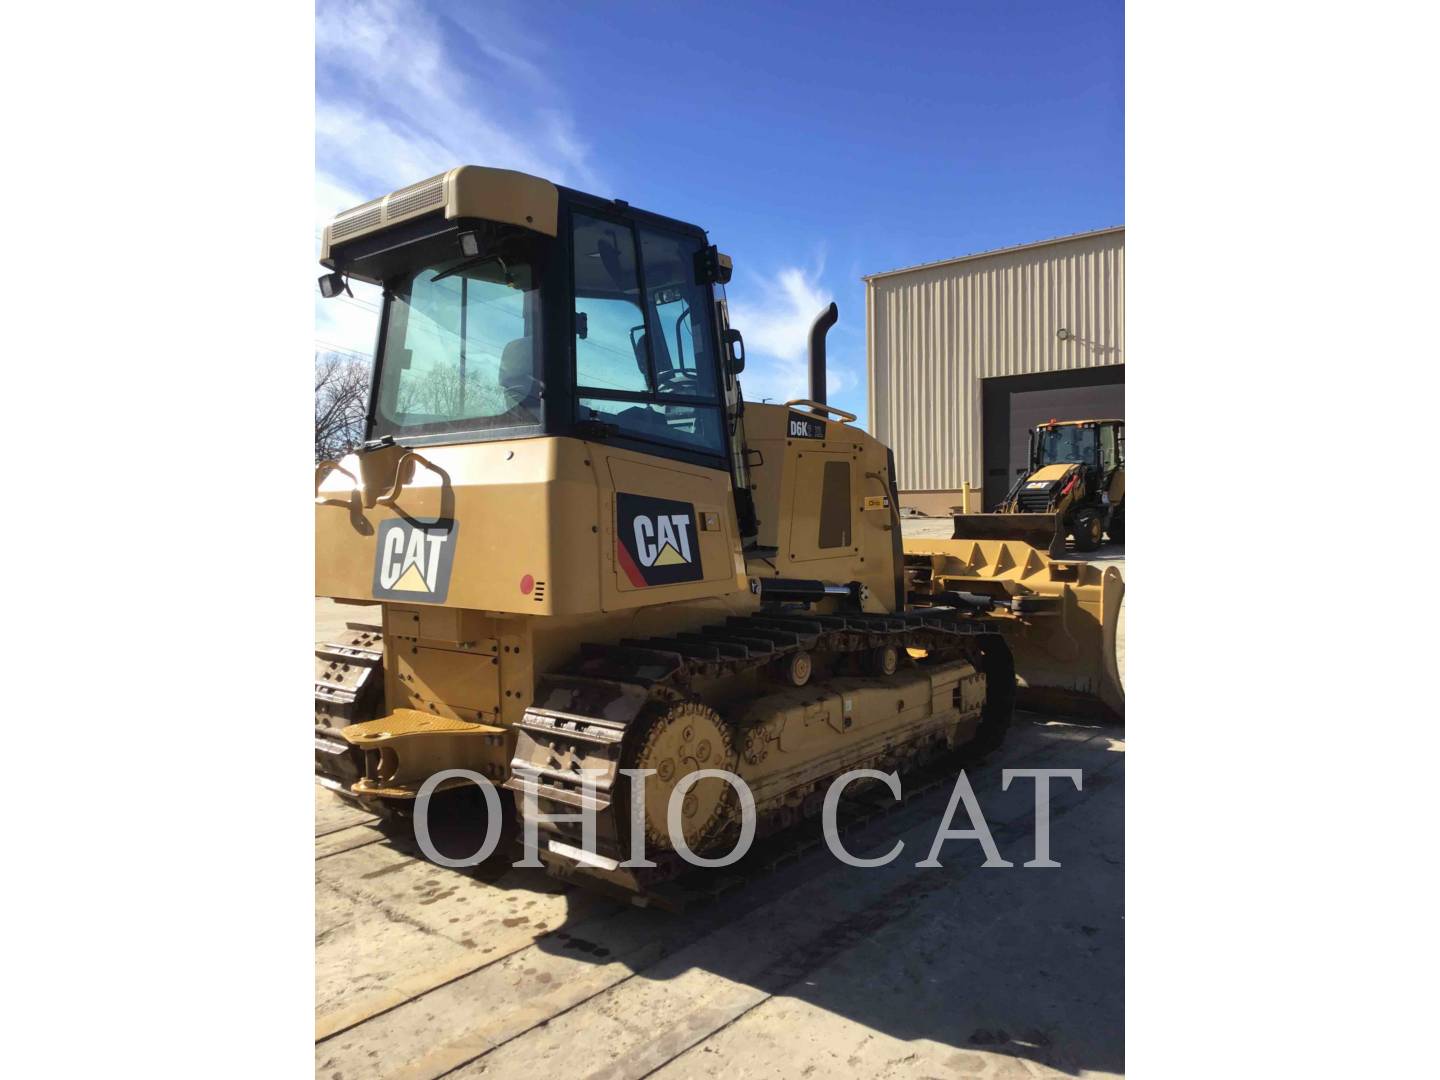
(393, 492)
(847, 417)
(325, 468)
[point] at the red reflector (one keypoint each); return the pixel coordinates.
(527, 584)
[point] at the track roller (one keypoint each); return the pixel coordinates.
(794, 669)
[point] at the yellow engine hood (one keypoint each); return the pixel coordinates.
(1051, 473)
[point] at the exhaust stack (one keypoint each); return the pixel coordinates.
(818, 329)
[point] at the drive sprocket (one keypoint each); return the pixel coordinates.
(676, 739)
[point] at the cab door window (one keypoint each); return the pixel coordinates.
(1109, 455)
(681, 347)
(608, 317)
(644, 353)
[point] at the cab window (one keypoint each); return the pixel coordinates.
(680, 348)
(459, 352)
(1109, 455)
(608, 316)
(644, 353)
(1066, 444)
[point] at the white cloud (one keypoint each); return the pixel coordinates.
(774, 315)
(420, 98)
(332, 196)
(401, 98)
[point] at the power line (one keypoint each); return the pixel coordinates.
(328, 346)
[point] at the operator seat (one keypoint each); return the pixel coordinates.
(517, 378)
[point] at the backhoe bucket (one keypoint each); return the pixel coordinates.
(1059, 615)
(1043, 531)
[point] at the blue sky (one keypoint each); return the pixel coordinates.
(816, 142)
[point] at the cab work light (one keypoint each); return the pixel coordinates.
(332, 285)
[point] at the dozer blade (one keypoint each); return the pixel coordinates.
(1043, 531)
(1063, 615)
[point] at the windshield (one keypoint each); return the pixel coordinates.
(1065, 445)
(461, 349)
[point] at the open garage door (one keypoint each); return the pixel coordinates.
(1015, 404)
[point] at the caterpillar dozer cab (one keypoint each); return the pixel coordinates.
(590, 553)
(1074, 484)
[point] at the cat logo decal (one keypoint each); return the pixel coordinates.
(412, 560)
(656, 541)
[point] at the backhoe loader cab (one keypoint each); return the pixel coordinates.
(1098, 444)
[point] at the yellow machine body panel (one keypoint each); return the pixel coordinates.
(493, 561)
(823, 499)
(1048, 473)
(521, 526)
(705, 546)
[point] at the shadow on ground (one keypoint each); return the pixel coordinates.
(819, 966)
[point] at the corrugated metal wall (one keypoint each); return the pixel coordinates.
(933, 332)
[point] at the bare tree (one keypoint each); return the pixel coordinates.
(342, 393)
(440, 393)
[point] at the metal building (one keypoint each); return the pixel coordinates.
(966, 355)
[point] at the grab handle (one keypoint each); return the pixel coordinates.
(393, 492)
(848, 417)
(325, 468)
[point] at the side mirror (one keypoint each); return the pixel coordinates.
(332, 285)
(736, 344)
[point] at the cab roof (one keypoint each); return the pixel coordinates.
(474, 192)
(467, 191)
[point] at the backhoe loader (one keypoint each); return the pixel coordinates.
(591, 553)
(1074, 484)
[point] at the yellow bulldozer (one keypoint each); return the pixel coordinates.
(592, 554)
(1073, 485)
